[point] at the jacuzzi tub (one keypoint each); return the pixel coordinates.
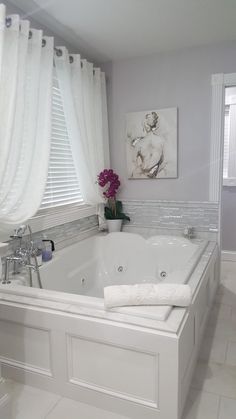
(86, 267)
(134, 361)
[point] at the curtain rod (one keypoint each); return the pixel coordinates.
(58, 51)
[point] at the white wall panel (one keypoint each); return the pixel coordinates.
(25, 347)
(111, 369)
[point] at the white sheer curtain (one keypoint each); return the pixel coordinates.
(84, 95)
(26, 63)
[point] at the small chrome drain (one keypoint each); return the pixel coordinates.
(120, 268)
(163, 274)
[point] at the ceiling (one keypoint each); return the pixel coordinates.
(117, 29)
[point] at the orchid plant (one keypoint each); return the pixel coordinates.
(110, 180)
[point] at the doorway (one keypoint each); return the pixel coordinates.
(228, 192)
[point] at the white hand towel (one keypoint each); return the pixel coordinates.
(147, 294)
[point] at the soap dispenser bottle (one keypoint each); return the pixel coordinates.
(48, 248)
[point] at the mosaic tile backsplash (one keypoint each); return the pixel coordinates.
(162, 217)
(65, 234)
(173, 215)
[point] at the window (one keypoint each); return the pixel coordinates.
(62, 201)
(229, 161)
(62, 186)
(226, 143)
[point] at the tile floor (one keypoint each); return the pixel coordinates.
(213, 391)
(31, 403)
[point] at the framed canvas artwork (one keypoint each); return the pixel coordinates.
(151, 144)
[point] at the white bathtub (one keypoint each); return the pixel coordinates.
(86, 267)
(135, 361)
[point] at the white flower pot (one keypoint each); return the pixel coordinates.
(114, 225)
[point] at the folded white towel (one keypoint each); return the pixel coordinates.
(147, 294)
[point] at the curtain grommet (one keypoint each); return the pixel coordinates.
(58, 52)
(8, 22)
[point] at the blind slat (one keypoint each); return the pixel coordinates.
(62, 183)
(61, 194)
(57, 202)
(61, 186)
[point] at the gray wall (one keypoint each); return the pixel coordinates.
(228, 218)
(181, 79)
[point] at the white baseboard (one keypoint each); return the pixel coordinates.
(228, 256)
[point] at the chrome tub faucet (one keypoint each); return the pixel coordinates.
(189, 232)
(23, 256)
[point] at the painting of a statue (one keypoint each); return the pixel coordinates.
(151, 144)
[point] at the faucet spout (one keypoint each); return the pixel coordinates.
(23, 256)
(189, 232)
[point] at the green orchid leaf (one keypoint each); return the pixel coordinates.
(118, 207)
(119, 215)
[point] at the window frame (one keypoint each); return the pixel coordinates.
(53, 216)
(227, 181)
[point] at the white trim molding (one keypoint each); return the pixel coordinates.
(228, 256)
(218, 82)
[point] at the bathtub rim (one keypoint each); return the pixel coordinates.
(93, 307)
(186, 271)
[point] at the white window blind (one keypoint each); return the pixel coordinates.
(62, 186)
(226, 142)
